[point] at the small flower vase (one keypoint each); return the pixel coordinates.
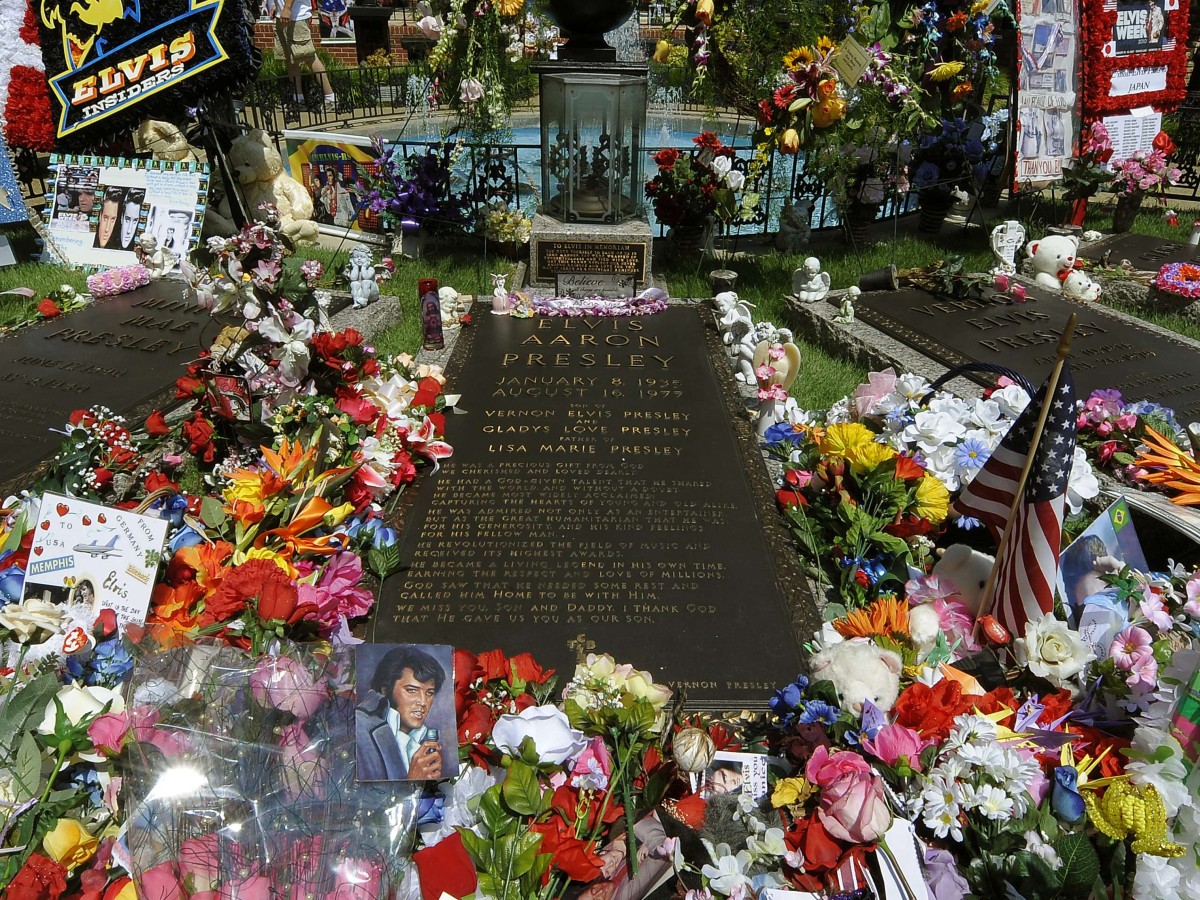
(409, 241)
(689, 239)
(770, 412)
(935, 204)
(859, 219)
(1126, 211)
(1078, 211)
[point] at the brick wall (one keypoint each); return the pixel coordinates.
(264, 39)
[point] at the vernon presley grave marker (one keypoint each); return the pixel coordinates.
(598, 499)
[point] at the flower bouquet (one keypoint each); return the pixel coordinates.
(510, 228)
(1144, 172)
(947, 159)
(805, 98)
(691, 188)
(1089, 171)
(412, 193)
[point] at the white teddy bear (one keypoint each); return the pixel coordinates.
(1078, 286)
(968, 570)
(860, 671)
(1052, 256)
(258, 167)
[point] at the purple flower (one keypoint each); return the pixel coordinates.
(942, 876)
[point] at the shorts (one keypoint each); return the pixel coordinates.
(294, 42)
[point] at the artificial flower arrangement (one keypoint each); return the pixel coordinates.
(806, 98)
(949, 158)
(1146, 171)
(1085, 174)
(499, 223)
(416, 192)
(1110, 430)
(479, 55)
(692, 188)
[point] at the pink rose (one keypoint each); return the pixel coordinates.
(301, 762)
(593, 766)
(1126, 421)
(825, 768)
(895, 741)
(108, 732)
(256, 887)
(143, 720)
(286, 684)
(198, 862)
(855, 809)
(161, 883)
(867, 396)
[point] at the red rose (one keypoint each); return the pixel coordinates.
(198, 432)
(1163, 142)
(105, 625)
(1056, 706)
(39, 879)
(360, 410)
(996, 700)
(157, 480)
(186, 387)
(103, 477)
(82, 418)
(526, 668)
(48, 309)
(403, 470)
(572, 856)
(493, 665)
(476, 724)
(156, 424)
(820, 851)
(931, 711)
(788, 498)
(665, 159)
(428, 390)
(464, 671)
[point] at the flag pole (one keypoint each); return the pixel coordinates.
(1064, 350)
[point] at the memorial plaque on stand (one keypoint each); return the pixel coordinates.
(1107, 352)
(552, 256)
(1147, 252)
(601, 497)
(121, 352)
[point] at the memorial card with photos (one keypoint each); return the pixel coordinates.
(738, 773)
(405, 728)
(86, 553)
(100, 208)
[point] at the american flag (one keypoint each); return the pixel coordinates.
(1028, 565)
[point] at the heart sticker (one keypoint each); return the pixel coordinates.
(62, 509)
(102, 518)
(75, 641)
(37, 551)
(86, 521)
(46, 525)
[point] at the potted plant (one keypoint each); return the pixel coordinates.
(507, 230)
(945, 162)
(411, 198)
(1144, 172)
(691, 189)
(1084, 175)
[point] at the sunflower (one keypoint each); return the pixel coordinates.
(932, 499)
(887, 616)
(843, 437)
(825, 45)
(798, 58)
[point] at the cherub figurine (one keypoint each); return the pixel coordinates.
(795, 227)
(361, 275)
(809, 283)
(846, 308)
(157, 260)
(500, 302)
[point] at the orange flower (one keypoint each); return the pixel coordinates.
(961, 91)
(885, 617)
(956, 21)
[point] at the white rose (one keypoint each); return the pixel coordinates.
(80, 702)
(1012, 400)
(736, 180)
(553, 737)
(31, 618)
(642, 686)
(1051, 650)
(1082, 484)
(722, 165)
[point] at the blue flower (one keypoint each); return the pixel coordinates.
(383, 537)
(818, 711)
(968, 523)
(12, 582)
(971, 454)
(788, 698)
(782, 433)
(110, 663)
(187, 536)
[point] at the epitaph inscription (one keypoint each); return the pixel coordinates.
(597, 498)
(589, 257)
(1107, 352)
(120, 352)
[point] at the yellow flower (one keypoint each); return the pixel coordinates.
(662, 52)
(839, 439)
(337, 515)
(978, 7)
(70, 843)
(791, 792)
(933, 500)
(798, 58)
(510, 7)
(946, 71)
(789, 142)
(825, 45)
(266, 553)
(828, 111)
(868, 457)
(704, 11)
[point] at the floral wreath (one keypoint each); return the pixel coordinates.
(1100, 60)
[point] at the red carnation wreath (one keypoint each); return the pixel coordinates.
(1101, 21)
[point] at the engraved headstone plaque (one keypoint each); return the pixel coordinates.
(1107, 352)
(602, 497)
(1147, 252)
(552, 256)
(121, 352)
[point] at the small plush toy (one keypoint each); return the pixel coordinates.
(860, 671)
(1078, 286)
(1052, 256)
(968, 569)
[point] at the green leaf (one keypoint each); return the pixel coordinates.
(515, 855)
(212, 513)
(522, 793)
(493, 813)
(797, 105)
(479, 849)
(27, 771)
(383, 561)
(1080, 863)
(18, 709)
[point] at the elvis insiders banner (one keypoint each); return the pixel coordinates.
(112, 63)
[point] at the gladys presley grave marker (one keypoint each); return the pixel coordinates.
(600, 498)
(1107, 352)
(121, 352)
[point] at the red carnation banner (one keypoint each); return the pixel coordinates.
(1135, 54)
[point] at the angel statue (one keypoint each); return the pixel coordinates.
(809, 283)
